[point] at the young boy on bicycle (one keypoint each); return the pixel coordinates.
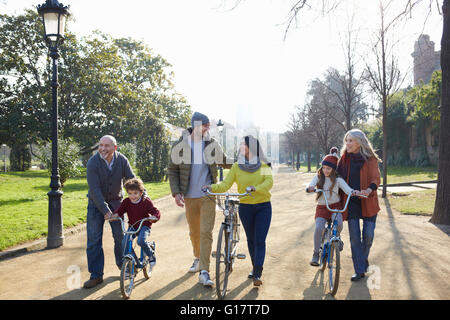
(138, 206)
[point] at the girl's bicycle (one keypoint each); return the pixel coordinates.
(329, 252)
(227, 239)
(131, 265)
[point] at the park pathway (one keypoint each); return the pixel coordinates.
(410, 259)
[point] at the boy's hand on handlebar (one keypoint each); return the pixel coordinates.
(251, 188)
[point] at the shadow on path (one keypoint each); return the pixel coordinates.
(82, 293)
(235, 292)
(169, 287)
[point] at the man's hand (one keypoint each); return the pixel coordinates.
(179, 200)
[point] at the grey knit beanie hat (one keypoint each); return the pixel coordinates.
(197, 117)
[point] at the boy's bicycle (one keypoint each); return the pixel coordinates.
(227, 239)
(131, 265)
(329, 252)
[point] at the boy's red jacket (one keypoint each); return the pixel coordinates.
(136, 212)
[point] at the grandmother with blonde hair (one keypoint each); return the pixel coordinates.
(358, 166)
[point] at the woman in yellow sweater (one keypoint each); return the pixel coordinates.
(255, 211)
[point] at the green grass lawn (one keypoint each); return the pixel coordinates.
(397, 174)
(414, 202)
(24, 204)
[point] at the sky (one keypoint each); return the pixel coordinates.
(236, 65)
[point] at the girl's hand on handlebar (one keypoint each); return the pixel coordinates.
(355, 193)
(310, 189)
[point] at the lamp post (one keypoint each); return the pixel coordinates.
(220, 128)
(54, 16)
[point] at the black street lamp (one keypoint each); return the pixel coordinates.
(54, 16)
(220, 128)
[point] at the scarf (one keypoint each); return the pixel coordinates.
(344, 163)
(251, 165)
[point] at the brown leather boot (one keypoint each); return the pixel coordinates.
(92, 282)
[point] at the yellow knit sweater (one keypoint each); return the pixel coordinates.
(261, 179)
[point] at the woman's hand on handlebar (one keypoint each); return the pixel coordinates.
(310, 189)
(366, 192)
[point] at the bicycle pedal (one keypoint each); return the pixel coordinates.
(240, 256)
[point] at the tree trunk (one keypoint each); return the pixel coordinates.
(309, 161)
(384, 148)
(441, 214)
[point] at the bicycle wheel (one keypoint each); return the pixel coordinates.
(222, 261)
(127, 277)
(323, 251)
(334, 266)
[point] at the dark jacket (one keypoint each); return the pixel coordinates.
(105, 187)
(179, 169)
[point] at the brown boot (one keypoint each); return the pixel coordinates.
(92, 282)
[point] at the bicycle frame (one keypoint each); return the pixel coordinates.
(129, 234)
(228, 220)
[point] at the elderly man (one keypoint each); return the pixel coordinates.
(106, 171)
(193, 163)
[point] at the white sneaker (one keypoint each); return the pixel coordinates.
(194, 267)
(204, 279)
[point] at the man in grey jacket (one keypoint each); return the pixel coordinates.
(106, 171)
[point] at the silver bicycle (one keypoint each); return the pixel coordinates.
(227, 239)
(131, 265)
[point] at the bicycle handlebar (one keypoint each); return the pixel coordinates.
(346, 202)
(122, 223)
(248, 192)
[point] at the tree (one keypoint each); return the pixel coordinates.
(68, 158)
(385, 78)
(441, 213)
(152, 151)
(23, 96)
(107, 86)
(324, 118)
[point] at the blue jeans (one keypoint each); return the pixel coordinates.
(361, 249)
(141, 241)
(256, 221)
(94, 250)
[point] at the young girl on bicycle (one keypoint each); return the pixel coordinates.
(327, 180)
(138, 206)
